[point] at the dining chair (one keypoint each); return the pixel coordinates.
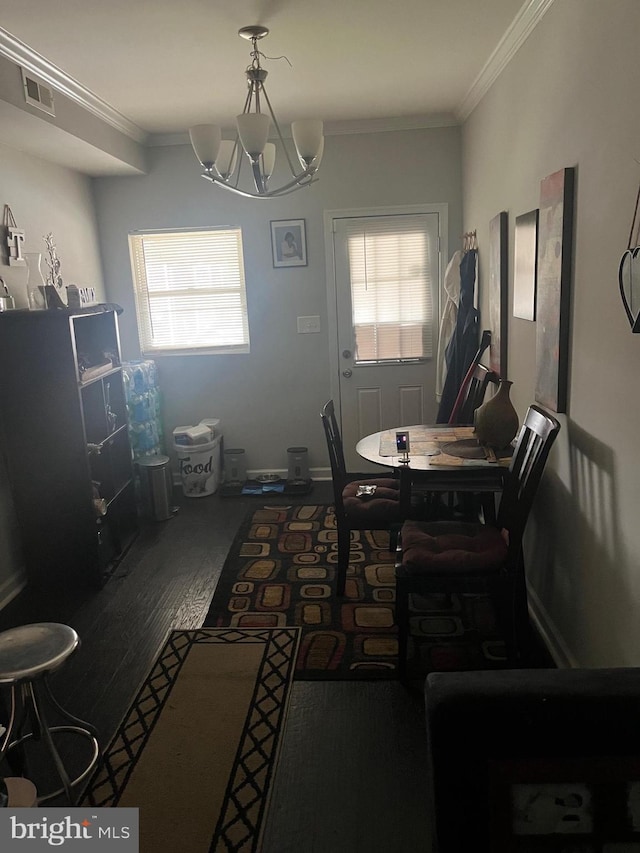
(446, 503)
(454, 416)
(466, 557)
(374, 503)
(475, 390)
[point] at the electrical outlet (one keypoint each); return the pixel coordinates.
(307, 325)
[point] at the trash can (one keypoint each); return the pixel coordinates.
(156, 487)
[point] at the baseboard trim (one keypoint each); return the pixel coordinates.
(10, 588)
(318, 475)
(549, 633)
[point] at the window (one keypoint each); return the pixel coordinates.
(190, 292)
(393, 271)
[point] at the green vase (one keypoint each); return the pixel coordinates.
(496, 421)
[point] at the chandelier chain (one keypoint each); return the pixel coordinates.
(255, 55)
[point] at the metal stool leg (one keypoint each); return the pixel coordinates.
(64, 713)
(16, 721)
(32, 694)
(45, 733)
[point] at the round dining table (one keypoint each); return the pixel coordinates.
(431, 461)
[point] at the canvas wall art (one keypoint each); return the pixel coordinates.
(498, 293)
(525, 266)
(555, 250)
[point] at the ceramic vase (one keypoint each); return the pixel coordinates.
(496, 421)
(35, 282)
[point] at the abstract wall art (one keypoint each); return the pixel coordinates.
(525, 266)
(498, 293)
(555, 250)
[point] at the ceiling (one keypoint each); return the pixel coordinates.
(165, 65)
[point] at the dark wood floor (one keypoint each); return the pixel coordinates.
(352, 771)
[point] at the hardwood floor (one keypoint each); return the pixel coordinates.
(352, 771)
(352, 775)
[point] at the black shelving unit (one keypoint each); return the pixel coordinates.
(65, 438)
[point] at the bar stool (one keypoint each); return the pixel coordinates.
(28, 655)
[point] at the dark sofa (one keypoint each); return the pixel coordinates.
(491, 731)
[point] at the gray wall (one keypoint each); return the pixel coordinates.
(43, 198)
(569, 98)
(271, 398)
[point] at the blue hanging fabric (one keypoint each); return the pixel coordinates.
(464, 343)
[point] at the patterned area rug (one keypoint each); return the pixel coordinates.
(201, 740)
(281, 571)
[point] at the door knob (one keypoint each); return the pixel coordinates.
(347, 373)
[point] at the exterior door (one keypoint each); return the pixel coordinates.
(387, 277)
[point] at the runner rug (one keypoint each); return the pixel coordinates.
(197, 750)
(280, 571)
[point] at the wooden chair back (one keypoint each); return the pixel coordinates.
(475, 393)
(336, 451)
(533, 444)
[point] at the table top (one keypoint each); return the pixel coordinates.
(427, 454)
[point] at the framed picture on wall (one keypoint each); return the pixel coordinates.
(525, 266)
(555, 236)
(498, 293)
(288, 243)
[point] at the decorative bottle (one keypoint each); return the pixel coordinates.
(496, 421)
(35, 281)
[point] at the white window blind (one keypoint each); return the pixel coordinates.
(390, 263)
(190, 291)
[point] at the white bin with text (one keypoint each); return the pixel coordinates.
(199, 467)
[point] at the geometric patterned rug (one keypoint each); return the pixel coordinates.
(280, 571)
(197, 750)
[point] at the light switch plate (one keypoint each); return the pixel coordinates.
(307, 325)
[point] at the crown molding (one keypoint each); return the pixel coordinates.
(20, 53)
(335, 128)
(385, 125)
(524, 22)
(521, 27)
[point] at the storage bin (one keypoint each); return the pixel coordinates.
(199, 467)
(298, 467)
(235, 465)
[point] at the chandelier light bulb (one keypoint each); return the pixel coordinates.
(254, 132)
(227, 158)
(268, 160)
(205, 139)
(307, 137)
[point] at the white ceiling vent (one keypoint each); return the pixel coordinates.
(37, 94)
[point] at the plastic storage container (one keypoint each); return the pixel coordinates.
(235, 465)
(298, 467)
(199, 467)
(214, 426)
(200, 434)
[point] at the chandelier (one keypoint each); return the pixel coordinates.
(222, 158)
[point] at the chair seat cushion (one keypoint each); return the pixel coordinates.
(451, 547)
(381, 508)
